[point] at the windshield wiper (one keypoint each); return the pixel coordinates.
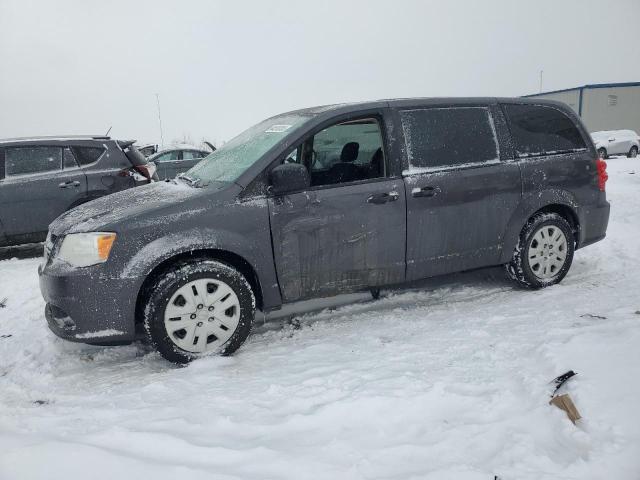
(193, 182)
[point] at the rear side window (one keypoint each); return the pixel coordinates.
(541, 130)
(441, 137)
(192, 155)
(29, 160)
(167, 157)
(87, 155)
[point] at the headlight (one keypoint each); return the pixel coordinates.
(84, 249)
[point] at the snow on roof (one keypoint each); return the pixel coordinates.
(54, 137)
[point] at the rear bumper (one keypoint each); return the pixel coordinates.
(84, 305)
(593, 223)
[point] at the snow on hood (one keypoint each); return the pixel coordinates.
(121, 205)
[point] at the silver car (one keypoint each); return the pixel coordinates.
(174, 160)
(616, 142)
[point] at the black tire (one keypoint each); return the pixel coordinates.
(158, 294)
(633, 152)
(520, 268)
(602, 152)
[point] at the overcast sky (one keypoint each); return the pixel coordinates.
(79, 67)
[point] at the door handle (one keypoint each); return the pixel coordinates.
(381, 198)
(424, 192)
(75, 183)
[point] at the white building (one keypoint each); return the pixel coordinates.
(605, 106)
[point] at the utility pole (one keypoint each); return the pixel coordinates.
(160, 120)
(541, 72)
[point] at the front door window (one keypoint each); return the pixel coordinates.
(342, 153)
(346, 152)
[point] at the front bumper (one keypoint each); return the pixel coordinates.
(87, 305)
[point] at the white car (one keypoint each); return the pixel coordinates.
(616, 142)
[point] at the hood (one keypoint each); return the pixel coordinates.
(122, 205)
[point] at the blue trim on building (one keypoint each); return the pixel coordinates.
(580, 102)
(593, 85)
(609, 85)
(551, 91)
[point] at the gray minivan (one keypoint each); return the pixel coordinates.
(324, 201)
(41, 178)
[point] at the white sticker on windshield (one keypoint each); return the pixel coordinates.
(278, 128)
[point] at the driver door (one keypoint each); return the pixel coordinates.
(341, 234)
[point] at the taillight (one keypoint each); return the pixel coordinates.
(146, 170)
(601, 167)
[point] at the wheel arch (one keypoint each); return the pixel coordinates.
(566, 212)
(89, 196)
(225, 256)
(551, 202)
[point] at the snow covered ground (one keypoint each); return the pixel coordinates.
(445, 382)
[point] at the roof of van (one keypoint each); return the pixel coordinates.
(420, 101)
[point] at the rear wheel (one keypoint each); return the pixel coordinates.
(545, 251)
(198, 308)
(602, 153)
(633, 153)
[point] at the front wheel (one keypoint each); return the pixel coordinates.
(197, 308)
(633, 152)
(544, 253)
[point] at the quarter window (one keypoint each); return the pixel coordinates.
(442, 137)
(29, 160)
(87, 155)
(540, 130)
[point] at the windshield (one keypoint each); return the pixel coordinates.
(231, 160)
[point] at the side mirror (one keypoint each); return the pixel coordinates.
(289, 177)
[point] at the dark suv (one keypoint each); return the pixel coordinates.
(40, 178)
(324, 201)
